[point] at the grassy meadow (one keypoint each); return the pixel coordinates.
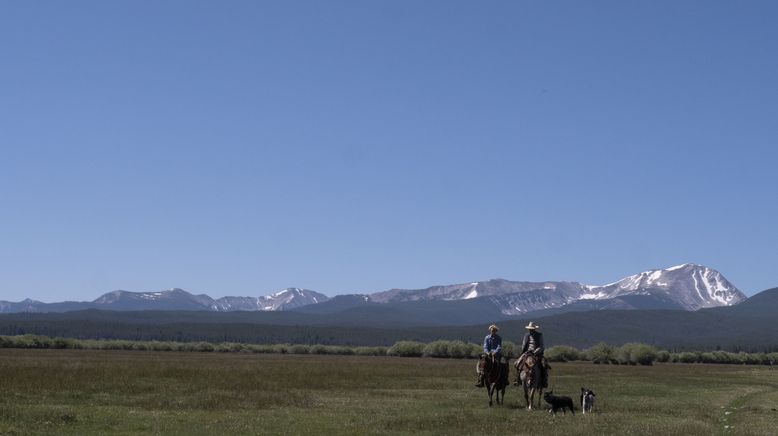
(84, 392)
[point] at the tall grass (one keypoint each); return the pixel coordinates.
(95, 392)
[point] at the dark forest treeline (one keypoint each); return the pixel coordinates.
(627, 354)
(573, 329)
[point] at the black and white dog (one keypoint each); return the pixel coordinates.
(558, 402)
(587, 400)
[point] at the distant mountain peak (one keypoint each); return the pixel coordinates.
(284, 299)
(691, 285)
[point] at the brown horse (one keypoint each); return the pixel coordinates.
(528, 367)
(495, 378)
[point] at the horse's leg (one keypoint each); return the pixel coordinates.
(489, 389)
(531, 398)
(540, 395)
(526, 395)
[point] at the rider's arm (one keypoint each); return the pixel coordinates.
(486, 345)
(498, 348)
(539, 347)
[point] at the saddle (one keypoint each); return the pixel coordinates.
(534, 359)
(529, 361)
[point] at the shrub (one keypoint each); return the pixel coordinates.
(281, 348)
(663, 356)
(223, 347)
(339, 350)
(30, 341)
(600, 353)
(458, 349)
(63, 343)
(562, 353)
(203, 347)
(688, 357)
(140, 346)
(318, 349)
(622, 354)
(261, 348)
(634, 353)
(642, 354)
(112, 345)
(751, 359)
(299, 349)
(178, 346)
(161, 346)
(406, 349)
(369, 351)
(708, 358)
(436, 349)
(721, 357)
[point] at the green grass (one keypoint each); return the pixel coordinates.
(84, 392)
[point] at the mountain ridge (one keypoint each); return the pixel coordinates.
(687, 286)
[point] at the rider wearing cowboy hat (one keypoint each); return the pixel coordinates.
(492, 347)
(533, 344)
(533, 340)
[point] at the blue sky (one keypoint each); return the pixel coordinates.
(236, 148)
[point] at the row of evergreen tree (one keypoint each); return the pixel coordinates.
(627, 354)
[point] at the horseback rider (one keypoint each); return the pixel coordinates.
(533, 344)
(492, 348)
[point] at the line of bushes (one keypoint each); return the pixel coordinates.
(642, 354)
(37, 341)
(627, 354)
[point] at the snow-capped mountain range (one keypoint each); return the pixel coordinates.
(687, 287)
(175, 299)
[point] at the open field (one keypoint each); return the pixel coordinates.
(98, 392)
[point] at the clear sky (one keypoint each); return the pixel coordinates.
(241, 147)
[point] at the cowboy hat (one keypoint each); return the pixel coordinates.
(493, 327)
(532, 326)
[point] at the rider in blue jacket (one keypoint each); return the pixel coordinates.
(492, 347)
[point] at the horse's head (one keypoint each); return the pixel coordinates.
(489, 362)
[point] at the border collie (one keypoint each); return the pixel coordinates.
(587, 400)
(558, 402)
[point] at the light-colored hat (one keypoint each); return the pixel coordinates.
(532, 326)
(493, 327)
